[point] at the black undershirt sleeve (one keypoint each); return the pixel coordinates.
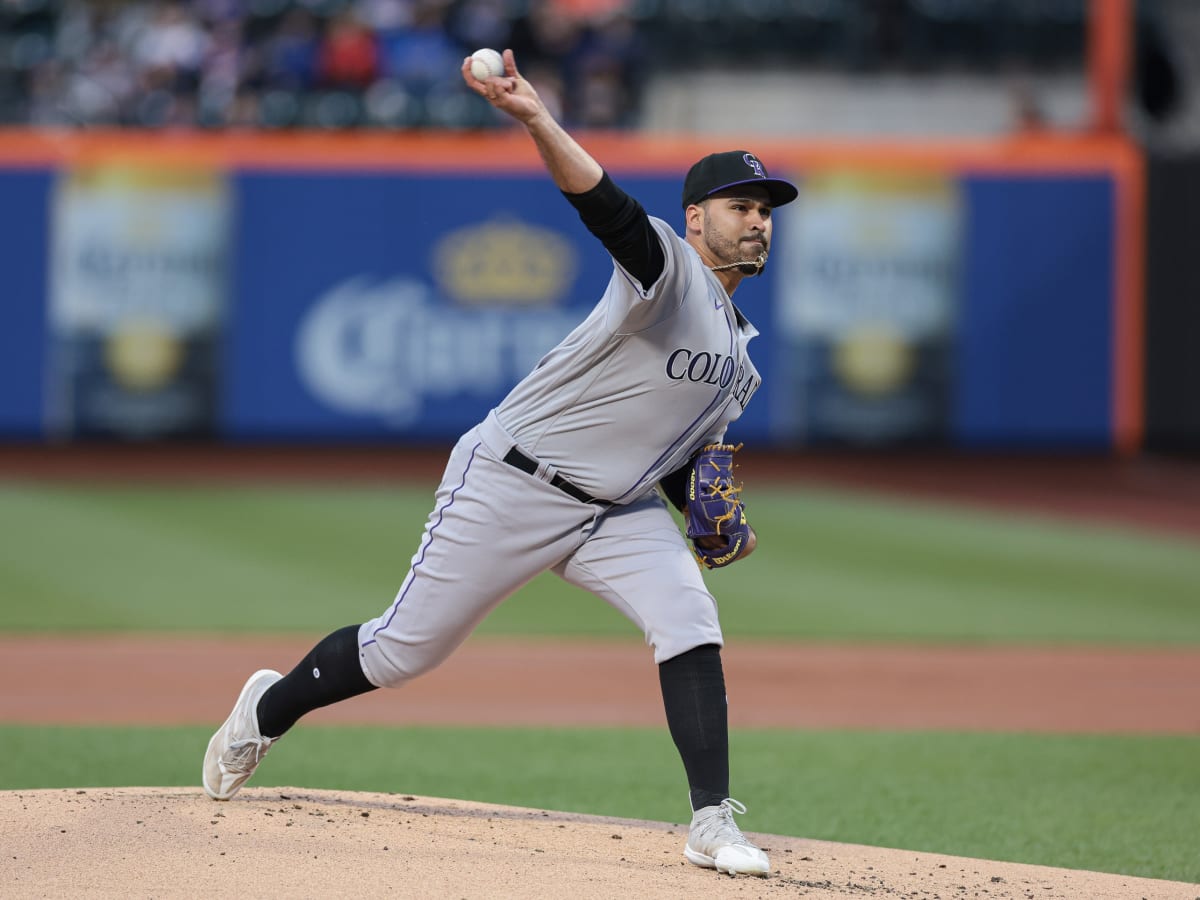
(622, 226)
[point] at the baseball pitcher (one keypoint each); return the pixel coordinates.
(573, 470)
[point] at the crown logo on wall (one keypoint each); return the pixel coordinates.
(504, 261)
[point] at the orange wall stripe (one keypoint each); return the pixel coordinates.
(510, 150)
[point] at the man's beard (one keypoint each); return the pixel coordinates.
(747, 267)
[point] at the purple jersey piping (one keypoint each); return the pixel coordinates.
(679, 440)
(413, 572)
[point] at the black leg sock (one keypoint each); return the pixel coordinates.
(693, 689)
(331, 672)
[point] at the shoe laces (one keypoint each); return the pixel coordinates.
(720, 828)
(244, 755)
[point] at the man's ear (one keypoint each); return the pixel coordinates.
(692, 217)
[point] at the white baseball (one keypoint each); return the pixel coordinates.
(486, 62)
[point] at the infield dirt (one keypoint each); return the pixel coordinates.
(289, 843)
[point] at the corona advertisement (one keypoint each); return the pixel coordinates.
(257, 287)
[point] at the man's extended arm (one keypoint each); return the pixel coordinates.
(614, 217)
(571, 167)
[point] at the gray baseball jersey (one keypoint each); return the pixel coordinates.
(643, 382)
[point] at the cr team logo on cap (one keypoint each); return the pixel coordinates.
(719, 171)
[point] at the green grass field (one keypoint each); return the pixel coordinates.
(829, 566)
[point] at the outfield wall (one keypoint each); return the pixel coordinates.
(393, 287)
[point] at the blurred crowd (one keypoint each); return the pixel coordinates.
(342, 64)
(331, 64)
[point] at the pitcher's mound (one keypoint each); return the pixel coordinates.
(292, 842)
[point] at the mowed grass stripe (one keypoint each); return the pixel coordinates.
(829, 565)
(878, 568)
(223, 559)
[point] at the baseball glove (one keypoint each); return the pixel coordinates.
(716, 516)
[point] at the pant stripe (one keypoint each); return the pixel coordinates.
(413, 572)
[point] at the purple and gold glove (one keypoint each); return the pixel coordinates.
(716, 517)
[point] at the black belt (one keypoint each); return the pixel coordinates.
(519, 460)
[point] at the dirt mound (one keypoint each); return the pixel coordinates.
(285, 842)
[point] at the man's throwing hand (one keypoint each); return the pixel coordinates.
(509, 93)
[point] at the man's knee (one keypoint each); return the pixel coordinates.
(391, 664)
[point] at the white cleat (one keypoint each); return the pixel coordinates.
(238, 746)
(715, 842)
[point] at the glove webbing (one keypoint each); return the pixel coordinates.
(727, 491)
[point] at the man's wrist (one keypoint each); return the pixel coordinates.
(541, 122)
